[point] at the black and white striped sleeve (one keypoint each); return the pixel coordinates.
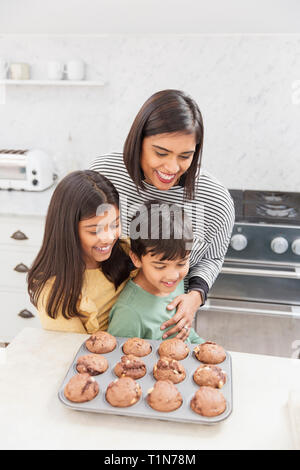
(209, 264)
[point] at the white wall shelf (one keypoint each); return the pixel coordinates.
(52, 83)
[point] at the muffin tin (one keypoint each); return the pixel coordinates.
(141, 409)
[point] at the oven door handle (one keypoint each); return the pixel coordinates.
(292, 311)
(262, 272)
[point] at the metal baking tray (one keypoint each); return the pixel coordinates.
(141, 409)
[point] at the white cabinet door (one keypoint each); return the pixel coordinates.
(11, 305)
(13, 261)
(27, 231)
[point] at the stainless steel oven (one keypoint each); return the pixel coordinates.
(254, 305)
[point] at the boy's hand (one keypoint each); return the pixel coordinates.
(187, 305)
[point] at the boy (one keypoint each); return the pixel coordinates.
(161, 240)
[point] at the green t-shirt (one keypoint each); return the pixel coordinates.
(137, 313)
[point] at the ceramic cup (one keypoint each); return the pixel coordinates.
(55, 70)
(3, 68)
(75, 70)
(19, 71)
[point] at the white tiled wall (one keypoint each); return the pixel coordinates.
(242, 83)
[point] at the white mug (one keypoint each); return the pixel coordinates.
(75, 70)
(19, 71)
(55, 70)
(3, 68)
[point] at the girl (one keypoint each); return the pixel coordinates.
(161, 160)
(82, 265)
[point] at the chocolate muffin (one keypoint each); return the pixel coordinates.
(169, 369)
(174, 348)
(123, 392)
(210, 353)
(81, 388)
(130, 366)
(137, 346)
(208, 401)
(101, 342)
(210, 375)
(164, 396)
(93, 364)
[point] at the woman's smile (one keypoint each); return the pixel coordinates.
(166, 157)
(165, 177)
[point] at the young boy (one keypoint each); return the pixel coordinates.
(161, 239)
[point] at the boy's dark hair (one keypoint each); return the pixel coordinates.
(162, 229)
(76, 197)
(167, 111)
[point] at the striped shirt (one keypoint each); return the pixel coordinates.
(211, 212)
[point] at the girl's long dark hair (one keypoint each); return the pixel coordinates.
(167, 111)
(76, 198)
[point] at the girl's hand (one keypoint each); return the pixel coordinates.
(187, 305)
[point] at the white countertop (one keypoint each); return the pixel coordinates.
(33, 367)
(25, 202)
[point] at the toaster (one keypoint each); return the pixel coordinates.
(26, 170)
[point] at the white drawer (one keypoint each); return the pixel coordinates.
(11, 259)
(11, 304)
(32, 227)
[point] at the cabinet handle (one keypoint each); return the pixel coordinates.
(25, 314)
(21, 268)
(18, 235)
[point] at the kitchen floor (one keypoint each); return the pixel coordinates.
(257, 334)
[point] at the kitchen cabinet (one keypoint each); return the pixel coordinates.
(20, 240)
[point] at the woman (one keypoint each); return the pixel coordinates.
(82, 265)
(161, 160)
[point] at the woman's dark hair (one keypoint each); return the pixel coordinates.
(166, 111)
(76, 198)
(162, 229)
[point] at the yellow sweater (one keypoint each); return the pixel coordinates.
(98, 295)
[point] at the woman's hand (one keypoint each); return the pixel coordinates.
(187, 305)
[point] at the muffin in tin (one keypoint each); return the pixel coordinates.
(208, 401)
(210, 375)
(101, 342)
(81, 388)
(130, 366)
(210, 353)
(169, 369)
(123, 392)
(137, 346)
(174, 348)
(164, 396)
(93, 364)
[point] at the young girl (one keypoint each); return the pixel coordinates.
(82, 265)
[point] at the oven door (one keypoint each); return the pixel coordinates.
(253, 308)
(258, 282)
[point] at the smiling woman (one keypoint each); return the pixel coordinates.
(161, 160)
(82, 265)
(164, 158)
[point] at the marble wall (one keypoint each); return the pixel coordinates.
(247, 87)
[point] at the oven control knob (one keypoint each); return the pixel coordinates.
(238, 242)
(296, 246)
(279, 245)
